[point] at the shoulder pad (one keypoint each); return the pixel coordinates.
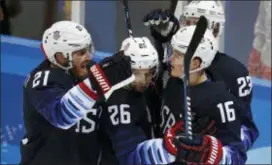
(47, 77)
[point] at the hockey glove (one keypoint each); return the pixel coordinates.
(163, 24)
(110, 74)
(202, 149)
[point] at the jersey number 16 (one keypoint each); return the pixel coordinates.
(226, 111)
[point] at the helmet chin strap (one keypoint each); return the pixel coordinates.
(70, 65)
(68, 61)
(192, 72)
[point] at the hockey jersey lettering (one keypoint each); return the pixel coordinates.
(131, 140)
(228, 132)
(240, 85)
(59, 120)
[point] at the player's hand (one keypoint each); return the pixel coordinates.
(110, 74)
(202, 149)
(254, 63)
(163, 24)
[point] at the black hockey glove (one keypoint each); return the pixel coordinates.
(202, 149)
(110, 74)
(162, 23)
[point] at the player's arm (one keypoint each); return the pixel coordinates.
(249, 131)
(129, 141)
(234, 151)
(58, 105)
(229, 122)
(203, 149)
(206, 126)
(163, 25)
(223, 147)
(50, 93)
(132, 147)
(259, 29)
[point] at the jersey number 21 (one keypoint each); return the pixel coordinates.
(40, 77)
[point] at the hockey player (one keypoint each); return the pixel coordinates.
(126, 115)
(223, 68)
(60, 115)
(126, 118)
(209, 99)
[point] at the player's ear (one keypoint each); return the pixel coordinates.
(61, 59)
(216, 30)
(195, 63)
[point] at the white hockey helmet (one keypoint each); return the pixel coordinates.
(142, 53)
(212, 10)
(65, 37)
(206, 50)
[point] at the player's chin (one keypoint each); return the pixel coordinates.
(140, 88)
(174, 73)
(83, 69)
(82, 73)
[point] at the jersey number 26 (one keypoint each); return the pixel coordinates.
(119, 114)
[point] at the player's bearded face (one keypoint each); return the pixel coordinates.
(143, 79)
(81, 59)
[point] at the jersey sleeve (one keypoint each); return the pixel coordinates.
(131, 145)
(232, 156)
(249, 130)
(57, 100)
(229, 124)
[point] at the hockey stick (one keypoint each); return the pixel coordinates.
(127, 17)
(196, 39)
(173, 5)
